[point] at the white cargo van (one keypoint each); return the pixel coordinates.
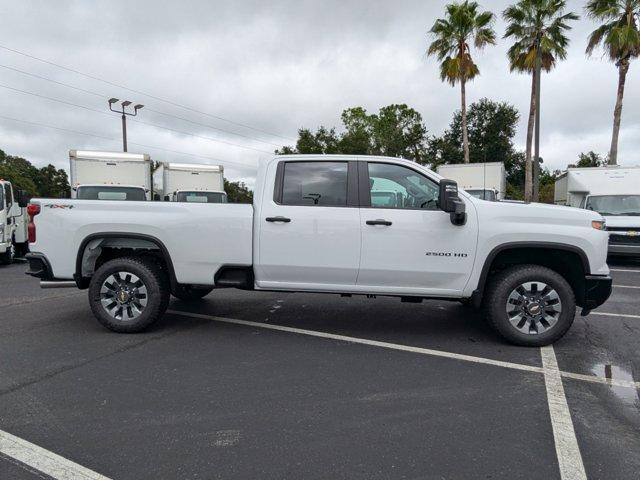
(612, 191)
(186, 182)
(110, 175)
(486, 181)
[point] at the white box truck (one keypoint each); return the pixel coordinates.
(186, 182)
(486, 181)
(109, 175)
(612, 191)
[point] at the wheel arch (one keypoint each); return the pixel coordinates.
(568, 260)
(126, 241)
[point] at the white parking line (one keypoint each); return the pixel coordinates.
(625, 286)
(43, 460)
(623, 270)
(408, 348)
(622, 315)
(564, 435)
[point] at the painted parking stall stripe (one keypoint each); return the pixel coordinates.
(564, 435)
(43, 460)
(408, 348)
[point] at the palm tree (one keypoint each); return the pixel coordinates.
(531, 23)
(463, 24)
(620, 36)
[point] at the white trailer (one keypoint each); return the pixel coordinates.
(187, 182)
(614, 192)
(109, 175)
(487, 181)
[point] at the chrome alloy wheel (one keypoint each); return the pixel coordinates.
(533, 308)
(123, 296)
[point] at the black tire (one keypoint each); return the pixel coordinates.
(22, 249)
(189, 293)
(156, 294)
(7, 257)
(538, 332)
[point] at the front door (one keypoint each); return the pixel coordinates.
(309, 229)
(408, 244)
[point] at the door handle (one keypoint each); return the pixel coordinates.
(386, 223)
(278, 219)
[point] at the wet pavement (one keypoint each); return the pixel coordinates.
(198, 398)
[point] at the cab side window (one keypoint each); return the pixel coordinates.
(399, 187)
(322, 184)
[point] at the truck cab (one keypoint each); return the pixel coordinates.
(613, 192)
(194, 183)
(110, 192)
(13, 240)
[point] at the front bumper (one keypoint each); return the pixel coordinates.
(597, 289)
(624, 250)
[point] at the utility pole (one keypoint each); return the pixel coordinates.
(536, 163)
(124, 104)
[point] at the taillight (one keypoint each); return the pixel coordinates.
(33, 209)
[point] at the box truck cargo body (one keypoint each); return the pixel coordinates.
(486, 181)
(110, 175)
(185, 182)
(612, 191)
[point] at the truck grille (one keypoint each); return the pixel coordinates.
(625, 236)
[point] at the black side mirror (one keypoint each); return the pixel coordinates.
(450, 202)
(23, 198)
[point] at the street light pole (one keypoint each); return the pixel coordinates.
(536, 164)
(123, 105)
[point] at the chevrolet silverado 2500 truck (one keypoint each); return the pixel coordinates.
(314, 227)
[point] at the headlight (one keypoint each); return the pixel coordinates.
(598, 224)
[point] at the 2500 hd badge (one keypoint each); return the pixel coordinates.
(447, 254)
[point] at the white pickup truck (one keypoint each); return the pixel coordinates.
(314, 228)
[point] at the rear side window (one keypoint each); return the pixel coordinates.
(322, 184)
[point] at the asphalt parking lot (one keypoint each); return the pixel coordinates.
(265, 385)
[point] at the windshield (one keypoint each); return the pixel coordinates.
(614, 205)
(110, 192)
(483, 194)
(202, 197)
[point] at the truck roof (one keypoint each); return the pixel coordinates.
(106, 156)
(194, 166)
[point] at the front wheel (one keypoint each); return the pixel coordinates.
(530, 305)
(7, 257)
(128, 294)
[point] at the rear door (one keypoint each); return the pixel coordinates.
(309, 227)
(409, 245)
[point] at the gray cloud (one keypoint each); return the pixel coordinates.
(275, 66)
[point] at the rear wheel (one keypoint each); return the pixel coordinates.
(190, 293)
(530, 305)
(128, 294)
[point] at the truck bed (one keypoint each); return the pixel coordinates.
(200, 237)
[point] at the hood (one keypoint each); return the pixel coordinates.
(538, 212)
(621, 221)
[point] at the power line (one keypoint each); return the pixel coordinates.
(67, 130)
(113, 84)
(137, 121)
(90, 92)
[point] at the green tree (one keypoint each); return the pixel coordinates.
(396, 130)
(590, 159)
(463, 24)
(491, 129)
(533, 23)
(53, 182)
(619, 34)
(237, 192)
(19, 172)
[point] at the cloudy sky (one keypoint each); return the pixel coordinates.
(252, 72)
